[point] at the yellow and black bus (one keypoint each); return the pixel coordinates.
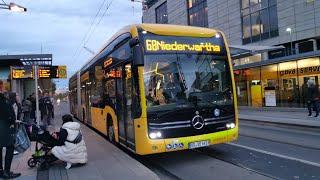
(159, 88)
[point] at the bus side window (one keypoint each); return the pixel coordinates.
(110, 90)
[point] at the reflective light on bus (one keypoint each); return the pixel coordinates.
(217, 35)
(216, 112)
(144, 32)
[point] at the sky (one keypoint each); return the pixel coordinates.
(63, 27)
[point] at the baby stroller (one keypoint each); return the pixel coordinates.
(44, 143)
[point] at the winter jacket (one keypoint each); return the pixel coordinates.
(7, 122)
(70, 152)
(312, 93)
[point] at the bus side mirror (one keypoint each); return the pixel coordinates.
(137, 52)
(133, 42)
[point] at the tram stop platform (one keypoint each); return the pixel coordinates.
(279, 115)
(105, 161)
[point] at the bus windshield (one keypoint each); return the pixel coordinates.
(186, 80)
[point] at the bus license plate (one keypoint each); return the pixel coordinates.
(198, 144)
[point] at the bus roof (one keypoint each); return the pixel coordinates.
(160, 29)
(178, 30)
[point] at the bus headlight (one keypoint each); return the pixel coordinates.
(154, 135)
(230, 125)
(159, 135)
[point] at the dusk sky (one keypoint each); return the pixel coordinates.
(60, 27)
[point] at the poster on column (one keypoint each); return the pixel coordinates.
(270, 97)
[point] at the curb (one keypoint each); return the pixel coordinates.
(283, 123)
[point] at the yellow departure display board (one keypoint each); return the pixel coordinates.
(53, 72)
(45, 72)
(25, 72)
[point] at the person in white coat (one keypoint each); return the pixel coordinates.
(72, 148)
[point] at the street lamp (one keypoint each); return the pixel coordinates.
(13, 7)
(289, 30)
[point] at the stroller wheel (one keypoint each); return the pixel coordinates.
(32, 162)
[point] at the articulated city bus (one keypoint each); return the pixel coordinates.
(159, 88)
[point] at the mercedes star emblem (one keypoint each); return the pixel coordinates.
(197, 122)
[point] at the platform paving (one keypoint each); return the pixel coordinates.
(289, 116)
(105, 160)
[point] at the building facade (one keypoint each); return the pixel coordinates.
(270, 78)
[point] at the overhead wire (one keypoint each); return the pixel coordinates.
(104, 13)
(78, 50)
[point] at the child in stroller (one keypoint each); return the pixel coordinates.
(67, 145)
(44, 143)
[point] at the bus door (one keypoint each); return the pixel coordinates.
(123, 106)
(128, 87)
(87, 114)
(120, 108)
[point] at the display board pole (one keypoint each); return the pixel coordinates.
(37, 94)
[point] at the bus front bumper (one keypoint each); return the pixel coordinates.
(152, 146)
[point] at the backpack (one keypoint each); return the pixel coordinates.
(77, 140)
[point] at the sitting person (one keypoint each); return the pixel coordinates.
(70, 146)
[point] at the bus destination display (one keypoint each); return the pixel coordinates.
(156, 44)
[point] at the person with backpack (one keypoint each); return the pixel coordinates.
(71, 147)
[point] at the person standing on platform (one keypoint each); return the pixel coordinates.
(26, 110)
(312, 98)
(7, 134)
(33, 107)
(46, 108)
(14, 101)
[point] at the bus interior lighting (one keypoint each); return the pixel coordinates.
(217, 35)
(144, 32)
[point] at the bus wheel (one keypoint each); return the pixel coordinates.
(111, 134)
